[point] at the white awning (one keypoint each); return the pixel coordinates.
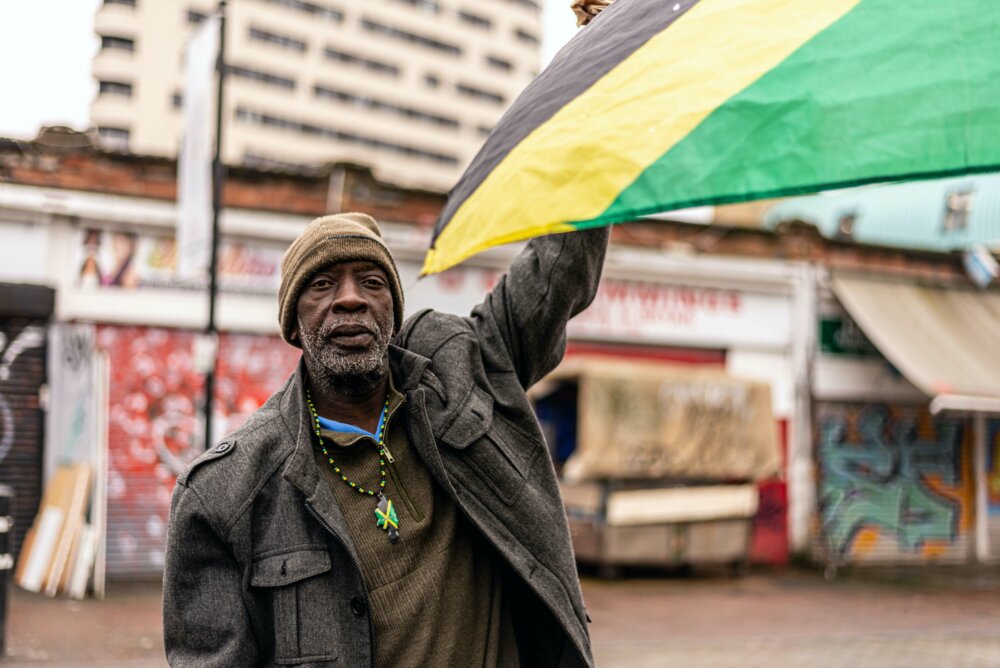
(946, 341)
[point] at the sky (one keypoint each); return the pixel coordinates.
(46, 47)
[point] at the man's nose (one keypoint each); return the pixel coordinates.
(349, 297)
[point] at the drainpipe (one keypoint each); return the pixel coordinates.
(801, 465)
(982, 501)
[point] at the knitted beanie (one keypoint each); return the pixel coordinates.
(343, 237)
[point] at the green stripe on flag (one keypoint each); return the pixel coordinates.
(819, 120)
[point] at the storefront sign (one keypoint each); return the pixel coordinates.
(661, 313)
(842, 336)
(632, 311)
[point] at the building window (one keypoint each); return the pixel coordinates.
(479, 93)
(113, 138)
(499, 63)
(475, 20)
(526, 37)
(112, 42)
(177, 100)
(432, 81)
(268, 120)
(262, 77)
(361, 61)
(533, 4)
(261, 161)
(283, 41)
(412, 38)
(484, 130)
(384, 106)
(319, 11)
(125, 3)
(114, 88)
(957, 207)
(196, 17)
(429, 6)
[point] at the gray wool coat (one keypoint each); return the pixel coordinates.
(260, 568)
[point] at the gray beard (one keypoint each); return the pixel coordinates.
(350, 373)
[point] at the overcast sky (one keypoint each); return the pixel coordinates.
(47, 45)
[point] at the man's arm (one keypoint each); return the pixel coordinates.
(205, 622)
(552, 280)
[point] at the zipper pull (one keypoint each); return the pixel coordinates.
(388, 455)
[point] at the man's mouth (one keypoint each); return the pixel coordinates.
(351, 336)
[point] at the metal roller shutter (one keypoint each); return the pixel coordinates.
(22, 374)
(894, 486)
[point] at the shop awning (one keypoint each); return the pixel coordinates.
(946, 341)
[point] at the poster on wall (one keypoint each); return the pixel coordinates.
(121, 259)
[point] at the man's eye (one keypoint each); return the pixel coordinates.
(320, 283)
(374, 283)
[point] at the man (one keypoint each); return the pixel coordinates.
(394, 503)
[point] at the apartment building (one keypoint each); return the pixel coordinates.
(410, 88)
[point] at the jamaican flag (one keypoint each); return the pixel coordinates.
(660, 105)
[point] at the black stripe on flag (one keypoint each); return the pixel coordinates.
(595, 50)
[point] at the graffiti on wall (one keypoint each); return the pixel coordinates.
(32, 336)
(891, 473)
(155, 426)
(72, 407)
(993, 466)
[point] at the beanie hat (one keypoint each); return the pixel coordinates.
(343, 237)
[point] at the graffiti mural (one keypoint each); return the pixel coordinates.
(993, 467)
(22, 375)
(893, 484)
(155, 424)
(72, 415)
(31, 336)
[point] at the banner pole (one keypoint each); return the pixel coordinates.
(218, 181)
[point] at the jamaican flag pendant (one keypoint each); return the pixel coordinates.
(386, 518)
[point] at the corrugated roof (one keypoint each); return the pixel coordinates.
(910, 215)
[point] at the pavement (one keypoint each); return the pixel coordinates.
(873, 617)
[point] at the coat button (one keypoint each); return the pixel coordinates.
(357, 606)
(222, 447)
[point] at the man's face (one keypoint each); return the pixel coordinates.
(345, 321)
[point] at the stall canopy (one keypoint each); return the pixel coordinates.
(946, 341)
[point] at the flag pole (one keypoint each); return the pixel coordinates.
(218, 180)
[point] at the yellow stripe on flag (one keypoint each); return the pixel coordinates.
(628, 119)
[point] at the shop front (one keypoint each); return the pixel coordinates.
(907, 385)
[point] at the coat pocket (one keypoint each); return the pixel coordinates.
(301, 603)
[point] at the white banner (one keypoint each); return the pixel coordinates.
(194, 178)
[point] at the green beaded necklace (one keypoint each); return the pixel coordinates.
(385, 513)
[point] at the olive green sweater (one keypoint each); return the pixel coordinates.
(436, 594)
